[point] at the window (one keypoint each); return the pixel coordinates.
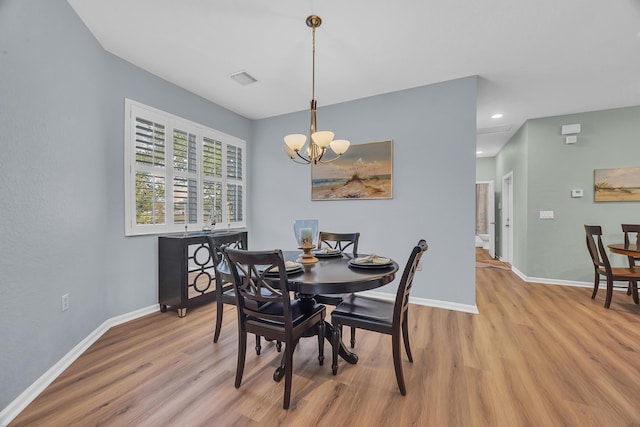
(180, 174)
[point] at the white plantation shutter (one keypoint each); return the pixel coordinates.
(149, 163)
(212, 179)
(179, 173)
(235, 183)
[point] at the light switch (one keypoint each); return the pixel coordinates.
(576, 192)
(546, 214)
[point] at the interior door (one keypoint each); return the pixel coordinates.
(507, 218)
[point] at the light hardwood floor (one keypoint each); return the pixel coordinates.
(536, 355)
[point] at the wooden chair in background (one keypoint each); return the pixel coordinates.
(602, 267)
(225, 293)
(339, 241)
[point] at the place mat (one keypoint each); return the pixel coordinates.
(371, 261)
(290, 267)
(326, 252)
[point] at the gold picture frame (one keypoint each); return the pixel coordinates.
(617, 185)
(365, 171)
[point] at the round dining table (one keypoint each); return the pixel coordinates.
(336, 275)
(625, 249)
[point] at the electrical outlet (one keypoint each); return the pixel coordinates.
(65, 302)
(419, 266)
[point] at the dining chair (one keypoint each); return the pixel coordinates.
(266, 309)
(630, 231)
(339, 241)
(602, 267)
(384, 317)
(224, 291)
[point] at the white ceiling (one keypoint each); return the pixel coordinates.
(535, 58)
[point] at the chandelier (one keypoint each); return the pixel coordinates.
(319, 141)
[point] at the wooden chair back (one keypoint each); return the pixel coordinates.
(216, 242)
(629, 230)
(596, 248)
(260, 278)
(406, 282)
(224, 280)
(339, 241)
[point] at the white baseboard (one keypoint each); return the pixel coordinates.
(546, 281)
(14, 408)
(425, 302)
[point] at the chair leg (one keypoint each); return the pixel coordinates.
(219, 309)
(335, 343)
(279, 346)
(607, 301)
(258, 346)
(321, 327)
(596, 285)
(288, 374)
(397, 362)
(353, 337)
(634, 291)
(405, 336)
(242, 351)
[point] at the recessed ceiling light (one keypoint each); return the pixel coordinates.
(478, 152)
(497, 116)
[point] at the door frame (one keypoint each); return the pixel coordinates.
(507, 222)
(491, 216)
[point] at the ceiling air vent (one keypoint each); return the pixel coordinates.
(243, 78)
(494, 129)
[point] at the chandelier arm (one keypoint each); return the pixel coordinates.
(305, 160)
(330, 160)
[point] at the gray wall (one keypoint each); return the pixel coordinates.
(62, 190)
(486, 169)
(62, 193)
(555, 249)
(433, 129)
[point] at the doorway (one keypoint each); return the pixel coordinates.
(507, 219)
(485, 216)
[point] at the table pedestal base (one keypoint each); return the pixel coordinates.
(343, 352)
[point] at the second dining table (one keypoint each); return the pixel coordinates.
(630, 249)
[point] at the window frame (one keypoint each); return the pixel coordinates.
(171, 123)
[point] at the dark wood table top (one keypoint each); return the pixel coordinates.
(334, 275)
(621, 248)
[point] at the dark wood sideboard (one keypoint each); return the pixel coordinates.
(185, 269)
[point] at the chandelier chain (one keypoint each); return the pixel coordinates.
(313, 64)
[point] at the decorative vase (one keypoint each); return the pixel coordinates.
(306, 231)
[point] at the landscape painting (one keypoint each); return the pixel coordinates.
(363, 172)
(617, 185)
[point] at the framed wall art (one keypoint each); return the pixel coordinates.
(365, 171)
(617, 185)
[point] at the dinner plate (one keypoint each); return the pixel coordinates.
(353, 263)
(290, 270)
(320, 253)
